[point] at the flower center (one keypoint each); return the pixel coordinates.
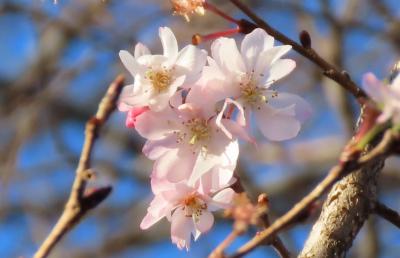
(251, 93)
(160, 80)
(199, 130)
(194, 206)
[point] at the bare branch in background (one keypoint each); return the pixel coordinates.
(80, 200)
(387, 213)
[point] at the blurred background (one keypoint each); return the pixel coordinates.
(56, 62)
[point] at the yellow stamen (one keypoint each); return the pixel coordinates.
(160, 80)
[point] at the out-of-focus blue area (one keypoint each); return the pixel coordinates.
(19, 40)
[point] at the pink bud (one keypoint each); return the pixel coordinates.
(132, 114)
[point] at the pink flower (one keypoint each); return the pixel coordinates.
(188, 141)
(188, 207)
(247, 76)
(132, 114)
(386, 96)
(158, 77)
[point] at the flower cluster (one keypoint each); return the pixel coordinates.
(192, 109)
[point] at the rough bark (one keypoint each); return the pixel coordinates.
(345, 210)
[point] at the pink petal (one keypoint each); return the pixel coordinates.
(156, 211)
(131, 97)
(222, 200)
(209, 90)
(219, 178)
(277, 124)
(229, 127)
(132, 114)
(374, 88)
(202, 165)
(155, 125)
(154, 149)
(181, 228)
(302, 108)
(205, 222)
(175, 165)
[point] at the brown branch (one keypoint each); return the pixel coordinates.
(81, 201)
(218, 252)
(387, 213)
(329, 70)
(276, 242)
(337, 172)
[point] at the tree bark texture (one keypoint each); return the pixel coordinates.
(347, 206)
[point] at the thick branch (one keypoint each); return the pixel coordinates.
(347, 207)
(79, 201)
(374, 159)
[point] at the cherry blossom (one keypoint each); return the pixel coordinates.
(386, 96)
(247, 76)
(158, 77)
(192, 116)
(188, 141)
(188, 207)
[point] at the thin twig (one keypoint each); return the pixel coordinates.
(79, 201)
(276, 242)
(387, 213)
(337, 172)
(329, 70)
(219, 250)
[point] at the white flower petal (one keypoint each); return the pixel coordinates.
(279, 69)
(130, 63)
(190, 62)
(268, 57)
(252, 46)
(395, 85)
(226, 55)
(169, 43)
(141, 50)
